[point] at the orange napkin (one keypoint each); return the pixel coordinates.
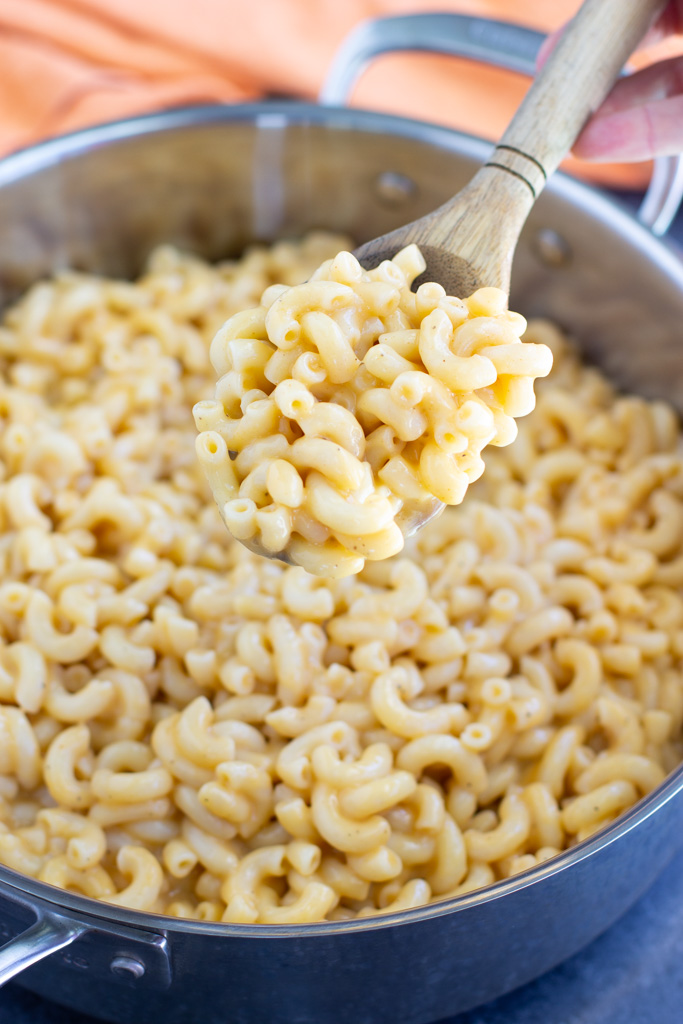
(65, 64)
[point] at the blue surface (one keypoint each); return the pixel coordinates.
(631, 975)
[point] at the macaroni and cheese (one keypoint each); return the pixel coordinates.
(350, 410)
(189, 729)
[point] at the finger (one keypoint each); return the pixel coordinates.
(655, 82)
(547, 46)
(640, 133)
(669, 23)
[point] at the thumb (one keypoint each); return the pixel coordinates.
(547, 46)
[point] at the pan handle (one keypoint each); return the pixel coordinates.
(45, 936)
(132, 955)
(499, 43)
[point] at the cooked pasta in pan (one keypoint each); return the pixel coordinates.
(189, 729)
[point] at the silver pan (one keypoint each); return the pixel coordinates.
(213, 179)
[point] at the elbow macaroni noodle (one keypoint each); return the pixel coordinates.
(350, 409)
(189, 729)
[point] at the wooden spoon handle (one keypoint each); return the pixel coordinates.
(571, 86)
(470, 240)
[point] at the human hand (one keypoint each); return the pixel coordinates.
(642, 117)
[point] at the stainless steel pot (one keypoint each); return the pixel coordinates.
(213, 179)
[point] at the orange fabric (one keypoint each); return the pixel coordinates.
(66, 64)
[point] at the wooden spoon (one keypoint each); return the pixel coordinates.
(469, 242)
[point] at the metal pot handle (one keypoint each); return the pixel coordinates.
(492, 42)
(45, 936)
(132, 955)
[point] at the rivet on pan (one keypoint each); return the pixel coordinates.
(552, 248)
(127, 967)
(394, 189)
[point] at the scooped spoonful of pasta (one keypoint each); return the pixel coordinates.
(350, 410)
